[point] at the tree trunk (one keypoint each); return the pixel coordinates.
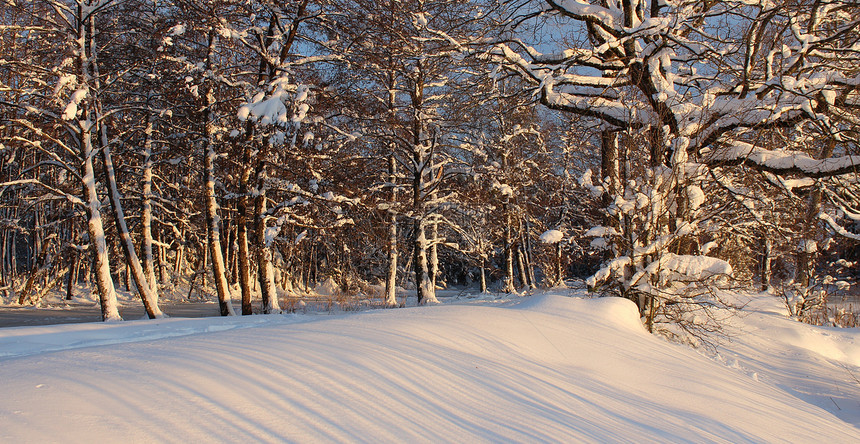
(527, 256)
(425, 290)
(73, 273)
(483, 276)
(610, 170)
(180, 256)
(133, 267)
(423, 283)
(508, 251)
(222, 287)
(391, 273)
(162, 258)
(767, 246)
(265, 268)
(95, 227)
(559, 269)
(434, 252)
(242, 232)
(146, 211)
(521, 265)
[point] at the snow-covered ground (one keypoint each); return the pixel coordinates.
(545, 368)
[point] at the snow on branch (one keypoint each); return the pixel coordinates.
(608, 19)
(552, 237)
(697, 267)
(838, 229)
(784, 162)
(70, 197)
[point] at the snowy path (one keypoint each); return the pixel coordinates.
(541, 369)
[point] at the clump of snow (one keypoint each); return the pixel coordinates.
(585, 181)
(552, 237)
(689, 265)
(599, 243)
(696, 197)
(71, 110)
(176, 30)
(504, 189)
(600, 231)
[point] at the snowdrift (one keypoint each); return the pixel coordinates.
(540, 369)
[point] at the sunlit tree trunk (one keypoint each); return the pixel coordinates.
(508, 286)
(424, 284)
(434, 250)
(95, 227)
(483, 275)
(391, 272)
(242, 232)
(766, 256)
(213, 221)
(146, 210)
(133, 266)
(265, 268)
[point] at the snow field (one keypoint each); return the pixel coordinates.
(545, 368)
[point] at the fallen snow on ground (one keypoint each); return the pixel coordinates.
(546, 368)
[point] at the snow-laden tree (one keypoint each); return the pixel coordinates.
(687, 87)
(146, 91)
(201, 41)
(509, 157)
(66, 118)
(290, 139)
(410, 56)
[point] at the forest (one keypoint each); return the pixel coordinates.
(657, 150)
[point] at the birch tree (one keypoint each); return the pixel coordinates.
(77, 108)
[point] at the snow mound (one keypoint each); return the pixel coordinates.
(622, 313)
(327, 287)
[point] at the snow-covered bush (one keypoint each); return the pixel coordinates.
(658, 260)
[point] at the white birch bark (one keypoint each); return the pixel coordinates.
(426, 291)
(509, 253)
(265, 268)
(213, 221)
(242, 234)
(434, 251)
(95, 227)
(146, 210)
(483, 276)
(150, 301)
(391, 274)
